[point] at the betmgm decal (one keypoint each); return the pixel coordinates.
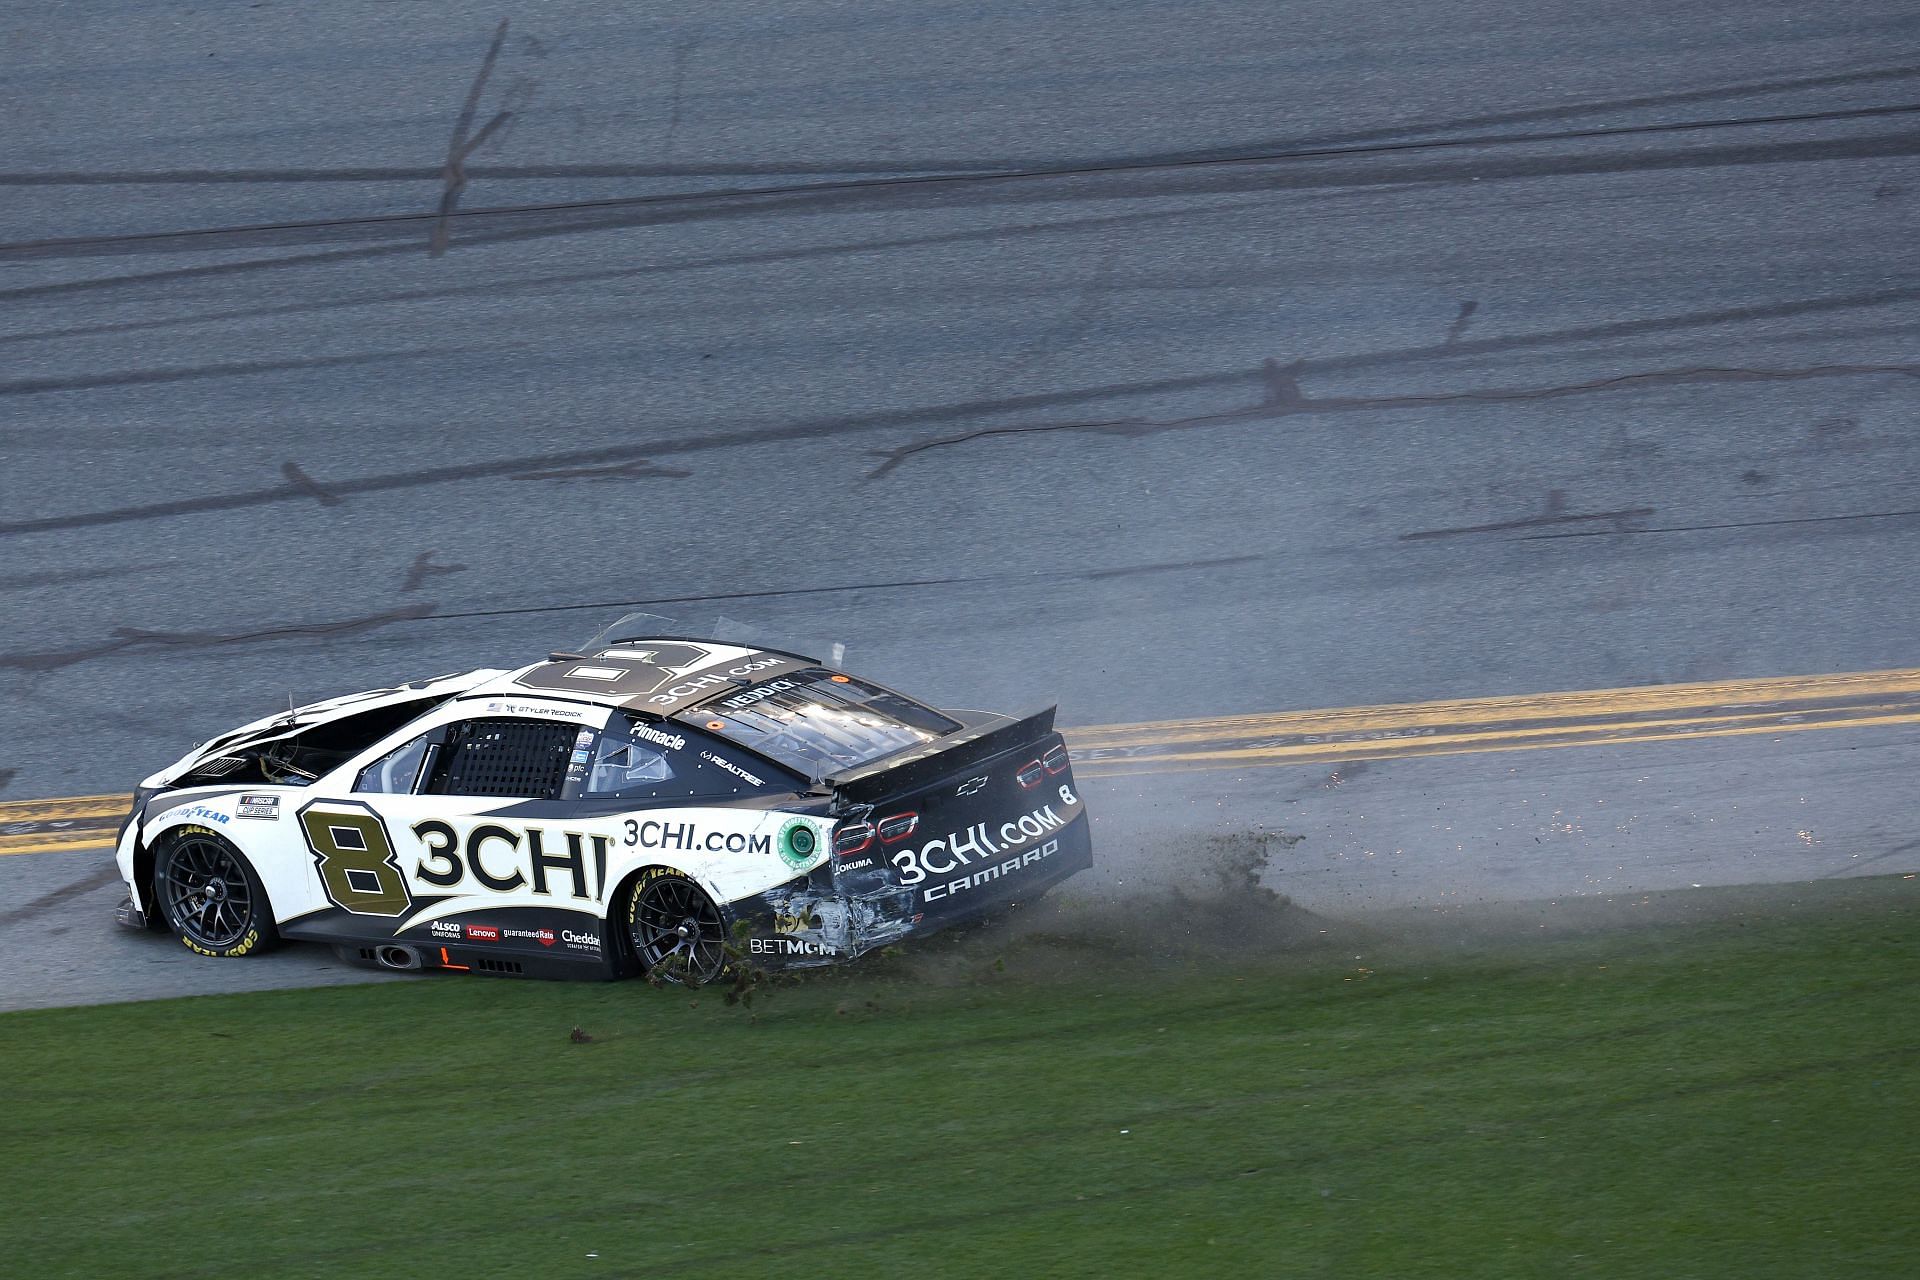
(355, 858)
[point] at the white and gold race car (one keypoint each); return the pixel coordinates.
(657, 803)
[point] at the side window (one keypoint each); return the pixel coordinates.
(639, 760)
(398, 772)
(625, 770)
(512, 759)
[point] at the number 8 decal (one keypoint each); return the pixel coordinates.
(626, 671)
(355, 859)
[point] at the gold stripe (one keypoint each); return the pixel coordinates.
(1411, 737)
(56, 841)
(1704, 697)
(1581, 717)
(1335, 752)
(63, 808)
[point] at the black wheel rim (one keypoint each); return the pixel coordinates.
(677, 932)
(205, 891)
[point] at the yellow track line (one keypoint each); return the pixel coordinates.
(1713, 695)
(1493, 734)
(57, 841)
(1448, 745)
(1581, 717)
(64, 809)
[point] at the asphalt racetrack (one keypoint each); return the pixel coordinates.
(1162, 360)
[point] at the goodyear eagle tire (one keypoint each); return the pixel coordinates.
(209, 896)
(675, 929)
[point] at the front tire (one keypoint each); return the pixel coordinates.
(675, 930)
(209, 896)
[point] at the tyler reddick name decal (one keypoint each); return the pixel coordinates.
(985, 851)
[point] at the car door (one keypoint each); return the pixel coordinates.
(681, 798)
(424, 825)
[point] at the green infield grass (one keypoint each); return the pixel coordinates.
(1668, 1091)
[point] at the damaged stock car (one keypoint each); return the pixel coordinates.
(654, 804)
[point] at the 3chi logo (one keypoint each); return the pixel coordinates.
(971, 786)
(355, 858)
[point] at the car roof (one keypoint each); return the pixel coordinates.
(656, 675)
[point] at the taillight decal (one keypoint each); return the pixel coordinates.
(1031, 774)
(1056, 760)
(851, 838)
(898, 827)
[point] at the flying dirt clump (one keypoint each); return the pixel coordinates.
(1203, 903)
(1206, 901)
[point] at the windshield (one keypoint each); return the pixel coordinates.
(819, 721)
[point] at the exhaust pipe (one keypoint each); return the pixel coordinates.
(394, 957)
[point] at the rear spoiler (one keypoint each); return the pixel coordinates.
(914, 770)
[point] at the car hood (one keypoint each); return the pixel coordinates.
(296, 720)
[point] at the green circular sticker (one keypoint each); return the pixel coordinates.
(797, 843)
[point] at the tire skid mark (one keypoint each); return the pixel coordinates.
(1458, 328)
(67, 577)
(806, 429)
(126, 638)
(86, 884)
(1285, 399)
(453, 175)
(300, 480)
(1853, 867)
(1617, 519)
(423, 568)
(992, 579)
(1840, 518)
(131, 638)
(760, 257)
(1262, 171)
(237, 369)
(636, 469)
(865, 164)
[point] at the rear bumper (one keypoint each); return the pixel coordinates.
(811, 921)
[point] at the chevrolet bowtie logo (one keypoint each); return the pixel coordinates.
(971, 785)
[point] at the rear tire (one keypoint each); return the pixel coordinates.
(675, 930)
(209, 896)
